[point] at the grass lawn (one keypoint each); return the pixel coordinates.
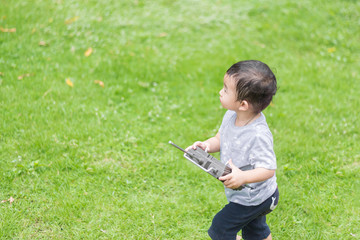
(92, 91)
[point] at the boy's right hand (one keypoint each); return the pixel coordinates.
(203, 145)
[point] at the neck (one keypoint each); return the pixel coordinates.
(245, 118)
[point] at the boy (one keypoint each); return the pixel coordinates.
(244, 139)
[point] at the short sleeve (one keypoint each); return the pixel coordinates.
(262, 154)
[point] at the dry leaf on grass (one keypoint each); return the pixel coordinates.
(71, 20)
(10, 200)
(101, 84)
(163, 34)
(24, 75)
(69, 82)
(43, 43)
(88, 52)
(9, 30)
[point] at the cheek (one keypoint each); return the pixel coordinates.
(224, 99)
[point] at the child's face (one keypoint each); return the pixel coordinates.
(228, 97)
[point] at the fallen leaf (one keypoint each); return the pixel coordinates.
(1, 74)
(101, 84)
(24, 75)
(11, 200)
(163, 34)
(71, 20)
(88, 52)
(69, 82)
(103, 230)
(331, 50)
(10, 30)
(42, 43)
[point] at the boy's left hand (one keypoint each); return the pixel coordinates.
(235, 179)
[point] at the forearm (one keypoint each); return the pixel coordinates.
(213, 143)
(238, 178)
(257, 175)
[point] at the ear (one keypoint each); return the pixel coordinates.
(244, 105)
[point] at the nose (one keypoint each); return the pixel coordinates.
(220, 92)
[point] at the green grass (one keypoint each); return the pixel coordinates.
(87, 162)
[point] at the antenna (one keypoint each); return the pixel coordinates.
(178, 147)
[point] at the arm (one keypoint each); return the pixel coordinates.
(211, 145)
(238, 178)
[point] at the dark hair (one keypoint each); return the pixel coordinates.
(255, 83)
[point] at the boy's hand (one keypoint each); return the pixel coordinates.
(204, 146)
(235, 179)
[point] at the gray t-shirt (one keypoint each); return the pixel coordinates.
(248, 145)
